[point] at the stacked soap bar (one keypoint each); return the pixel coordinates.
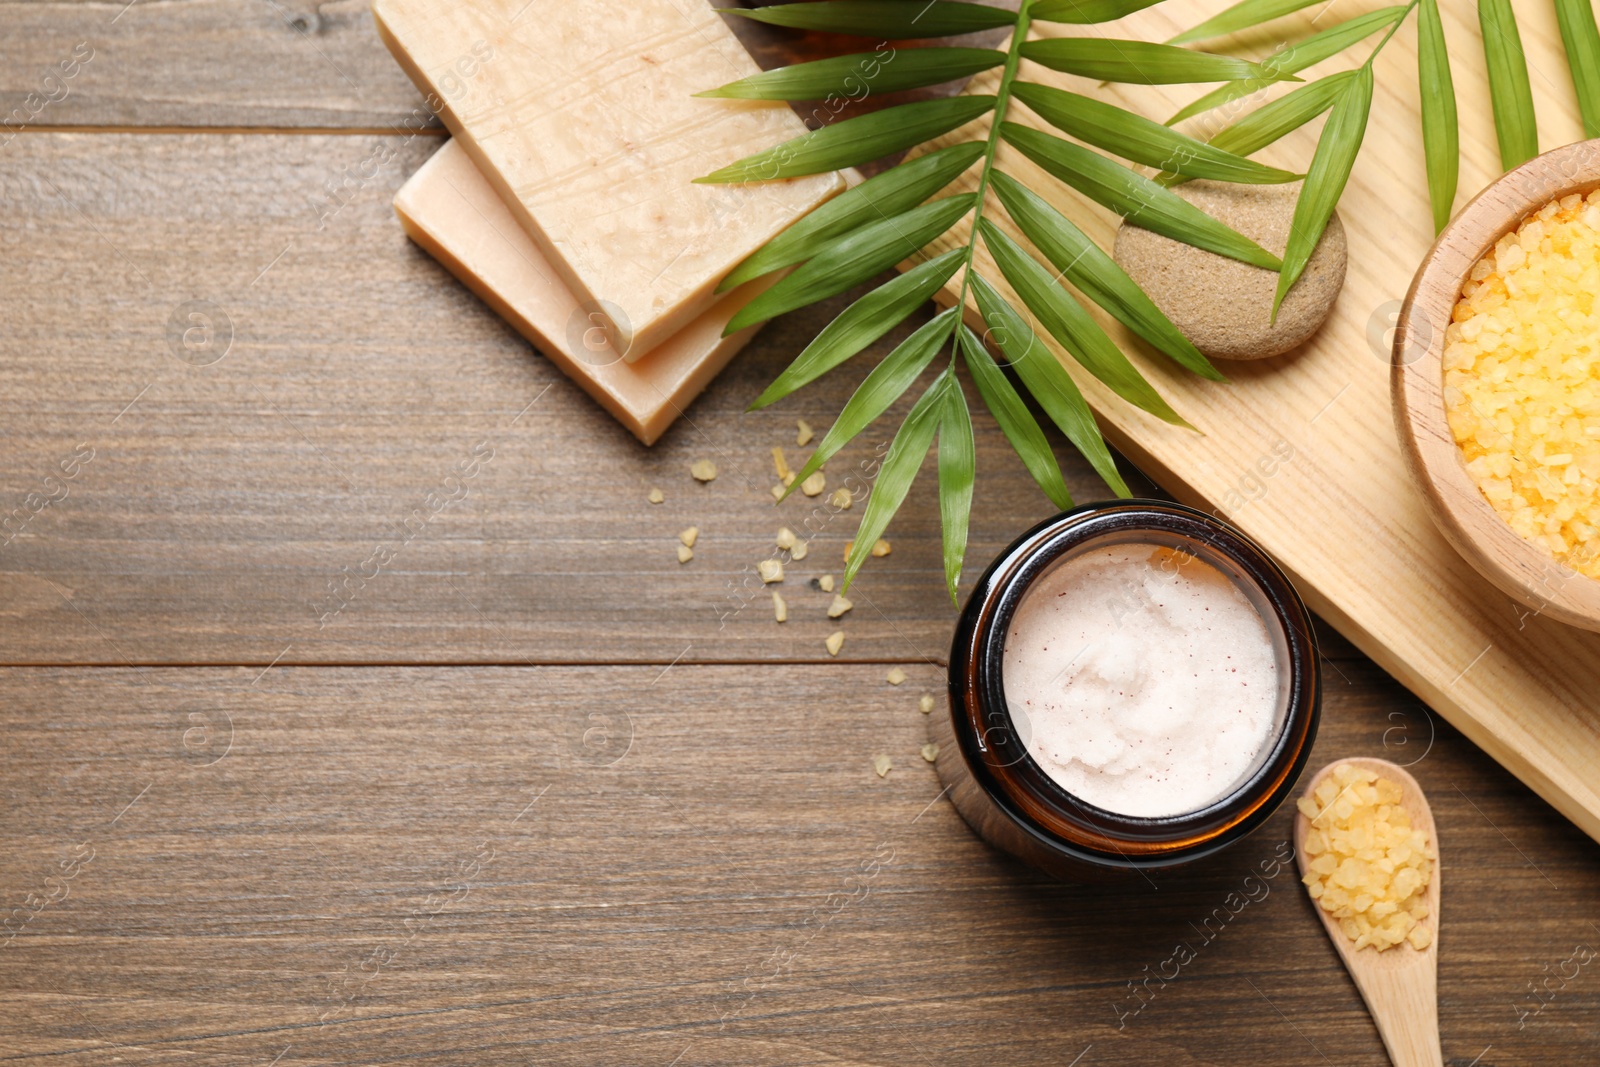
(450, 209)
(581, 121)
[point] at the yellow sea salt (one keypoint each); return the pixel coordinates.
(1522, 379)
(1367, 866)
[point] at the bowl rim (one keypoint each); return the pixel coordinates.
(1468, 521)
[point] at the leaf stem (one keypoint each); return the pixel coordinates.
(1393, 28)
(1002, 94)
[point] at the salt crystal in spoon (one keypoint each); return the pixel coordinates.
(1400, 984)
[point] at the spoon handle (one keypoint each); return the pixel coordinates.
(1405, 1005)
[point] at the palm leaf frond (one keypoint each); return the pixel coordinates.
(890, 193)
(1057, 274)
(855, 257)
(1510, 94)
(1142, 140)
(864, 72)
(892, 19)
(855, 141)
(1441, 137)
(1330, 170)
(1244, 15)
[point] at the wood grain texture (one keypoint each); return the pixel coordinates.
(1458, 507)
(1341, 513)
(320, 865)
(434, 865)
(228, 508)
(1400, 984)
(269, 64)
(218, 63)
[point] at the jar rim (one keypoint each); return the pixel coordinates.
(1034, 800)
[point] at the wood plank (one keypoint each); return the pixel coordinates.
(1342, 514)
(219, 63)
(274, 64)
(224, 501)
(334, 864)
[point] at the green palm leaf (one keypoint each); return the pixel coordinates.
(1135, 197)
(899, 470)
(1137, 138)
(891, 218)
(894, 19)
(1241, 16)
(862, 323)
(957, 469)
(854, 258)
(1047, 380)
(888, 380)
(1139, 62)
(1282, 116)
(1071, 326)
(1325, 181)
(1085, 265)
(1014, 419)
(894, 191)
(1085, 12)
(1297, 57)
(1582, 42)
(855, 141)
(1440, 135)
(861, 73)
(1510, 95)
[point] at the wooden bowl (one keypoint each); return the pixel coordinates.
(1462, 513)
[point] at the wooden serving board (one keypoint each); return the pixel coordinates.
(1301, 451)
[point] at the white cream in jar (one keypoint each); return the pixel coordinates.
(1141, 679)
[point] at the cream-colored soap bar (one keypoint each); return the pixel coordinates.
(583, 117)
(451, 210)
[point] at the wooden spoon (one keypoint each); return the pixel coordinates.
(1399, 984)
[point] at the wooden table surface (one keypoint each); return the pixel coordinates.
(530, 791)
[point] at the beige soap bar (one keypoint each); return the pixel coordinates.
(449, 209)
(583, 117)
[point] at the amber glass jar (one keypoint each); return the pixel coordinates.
(1008, 799)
